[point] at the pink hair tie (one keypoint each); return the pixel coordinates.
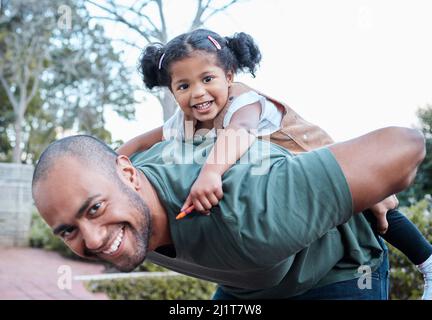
(216, 44)
(160, 60)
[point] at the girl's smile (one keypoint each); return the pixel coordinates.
(200, 86)
(203, 107)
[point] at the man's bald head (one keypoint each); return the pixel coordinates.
(91, 152)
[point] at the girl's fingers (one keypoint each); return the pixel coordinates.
(198, 206)
(213, 199)
(187, 203)
(205, 203)
(382, 224)
(219, 193)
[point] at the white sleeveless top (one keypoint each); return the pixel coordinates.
(269, 122)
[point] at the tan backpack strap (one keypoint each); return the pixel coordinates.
(297, 134)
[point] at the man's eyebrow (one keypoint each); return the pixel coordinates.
(78, 214)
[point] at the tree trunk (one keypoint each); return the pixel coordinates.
(169, 105)
(18, 137)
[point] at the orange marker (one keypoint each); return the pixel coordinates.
(185, 212)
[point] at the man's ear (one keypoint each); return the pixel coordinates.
(127, 171)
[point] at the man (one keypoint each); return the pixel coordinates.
(272, 236)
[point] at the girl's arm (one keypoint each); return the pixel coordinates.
(231, 143)
(142, 142)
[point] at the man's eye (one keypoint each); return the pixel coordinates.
(93, 210)
(183, 87)
(207, 79)
(67, 233)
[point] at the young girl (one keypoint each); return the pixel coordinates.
(198, 68)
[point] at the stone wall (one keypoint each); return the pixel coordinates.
(15, 203)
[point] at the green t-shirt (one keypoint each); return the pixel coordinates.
(284, 225)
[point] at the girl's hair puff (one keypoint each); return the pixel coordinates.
(149, 64)
(246, 52)
(239, 52)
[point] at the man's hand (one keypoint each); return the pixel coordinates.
(380, 212)
(205, 192)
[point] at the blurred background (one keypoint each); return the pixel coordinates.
(70, 66)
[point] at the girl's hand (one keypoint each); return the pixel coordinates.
(205, 192)
(380, 212)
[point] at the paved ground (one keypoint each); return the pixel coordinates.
(35, 274)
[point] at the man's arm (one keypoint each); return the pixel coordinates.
(310, 194)
(380, 163)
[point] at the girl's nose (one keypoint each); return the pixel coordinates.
(198, 91)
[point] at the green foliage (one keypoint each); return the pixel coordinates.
(39, 131)
(6, 118)
(423, 182)
(406, 282)
(425, 116)
(150, 267)
(155, 288)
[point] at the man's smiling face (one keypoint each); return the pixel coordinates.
(97, 215)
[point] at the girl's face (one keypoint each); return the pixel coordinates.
(200, 86)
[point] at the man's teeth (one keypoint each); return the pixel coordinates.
(116, 244)
(204, 105)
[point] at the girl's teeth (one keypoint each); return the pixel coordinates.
(202, 105)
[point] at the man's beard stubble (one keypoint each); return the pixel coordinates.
(142, 235)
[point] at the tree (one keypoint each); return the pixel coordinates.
(423, 183)
(147, 19)
(24, 51)
(406, 282)
(6, 118)
(58, 72)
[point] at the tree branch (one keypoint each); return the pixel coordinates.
(163, 32)
(22, 99)
(215, 11)
(128, 43)
(9, 93)
(142, 6)
(196, 22)
(33, 90)
(120, 19)
(102, 7)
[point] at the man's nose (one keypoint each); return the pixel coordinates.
(94, 237)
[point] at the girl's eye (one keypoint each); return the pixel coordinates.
(207, 79)
(93, 210)
(183, 87)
